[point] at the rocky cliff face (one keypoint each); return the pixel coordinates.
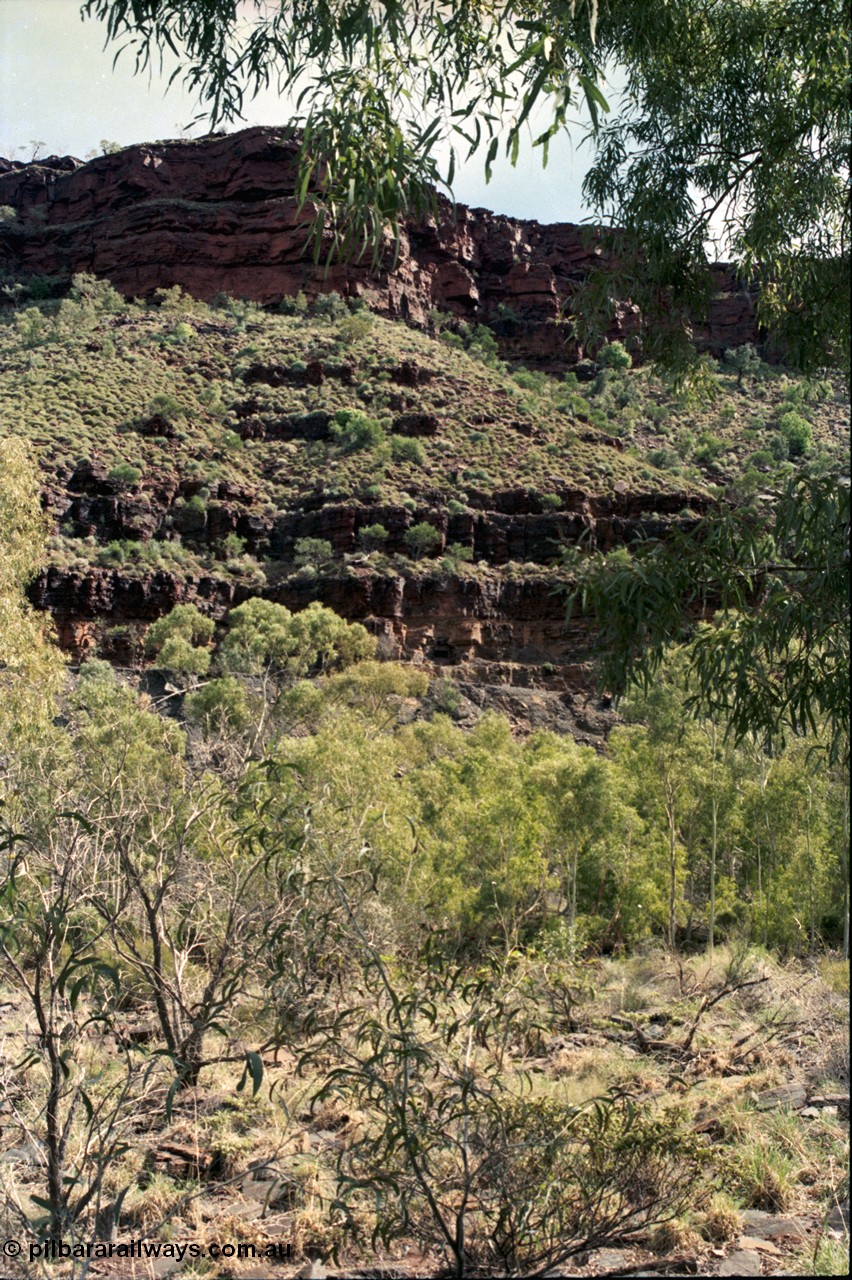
(499, 631)
(502, 635)
(504, 642)
(219, 215)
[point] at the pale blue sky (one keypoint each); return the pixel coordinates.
(58, 86)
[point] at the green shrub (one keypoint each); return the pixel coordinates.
(779, 448)
(222, 704)
(232, 546)
(182, 332)
(745, 360)
(312, 551)
(708, 449)
(238, 309)
(98, 295)
(32, 327)
(456, 555)
(112, 555)
(96, 672)
(373, 536)
(190, 516)
(173, 299)
(797, 431)
(353, 430)
(185, 620)
(178, 641)
(530, 380)
(445, 697)
(421, 539)
(297, 306)
(684, 444)
(453, 340)
(354, 328)
(165, 406)
(614, 355)
(665, 459)
(182, 658)
(124, 475)
(404, 449)
(266, 636)
(551, 501)
(748, 483)
(483, 346)
(330, 306)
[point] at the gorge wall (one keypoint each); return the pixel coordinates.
(218, 215)
(502, 635)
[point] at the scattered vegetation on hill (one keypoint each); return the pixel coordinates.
(181, 407)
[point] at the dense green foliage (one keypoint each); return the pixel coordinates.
(776, 656)
(493, 840)
(732, 132)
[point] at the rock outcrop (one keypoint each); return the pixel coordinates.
(219, 215)
(499, 526)
(504, 641)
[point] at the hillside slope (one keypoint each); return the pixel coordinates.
(408, 480)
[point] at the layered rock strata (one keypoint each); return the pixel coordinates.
(218, 215)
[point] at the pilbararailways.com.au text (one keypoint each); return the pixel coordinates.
(53, 1250)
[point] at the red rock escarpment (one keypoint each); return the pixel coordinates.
(421, 615)
(219, 215)
(504, 641)
(498, 527)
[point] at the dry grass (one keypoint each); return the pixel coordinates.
(721, 1221)
(772, 1159)
(674, 1237)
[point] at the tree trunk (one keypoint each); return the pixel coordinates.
(670, 814)
(572, 892)
(192, 1057)
(844, 870)
(811, 880)
(714, 832)
(54, 1153)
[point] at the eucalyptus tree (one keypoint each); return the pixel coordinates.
(661, 759)
(762, 591)
(584, 818)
